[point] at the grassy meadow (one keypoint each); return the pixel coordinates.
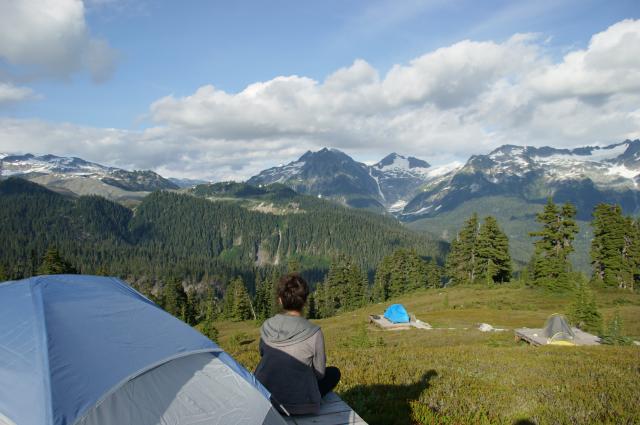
(464, 376)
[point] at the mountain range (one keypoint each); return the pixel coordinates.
(510, 182)
(71, 175)
(412, 189)
(330, 173)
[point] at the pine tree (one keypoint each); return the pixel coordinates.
(551, 266)
(401, 272)
(262, 303)
(208, 327)
(462, 261)
(3, 274)
(311, 308)
(614, 334)
(358, 286)
(242, 308)
(615, 248)
(584, 312)
(53, 263)
(188, 309)
(229, 300)
(434, 274)
(325, 305)
(493, 258)
(174, 298)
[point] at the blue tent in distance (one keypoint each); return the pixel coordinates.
(396, 313)
(91, 350)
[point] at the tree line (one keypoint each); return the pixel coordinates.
(180, 245)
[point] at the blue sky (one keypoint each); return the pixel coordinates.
(154, 50)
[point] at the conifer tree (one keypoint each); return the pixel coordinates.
(614, 334)
(584, 311)
(3, 274)
(434, 274)
(263, 300)
(615, 247)
(53, 263)
(401, 272)
(241, 308)
(311, 310)
(229, 300)
(493, 258)
(380, 290)
(325, 306)
(462, 261)
(174, 298)
(358, 286)
(188, 309)
(551, 266)
(208, 327)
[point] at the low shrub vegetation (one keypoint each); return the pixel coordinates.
(464, 376)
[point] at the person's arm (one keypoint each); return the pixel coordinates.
(319, 357)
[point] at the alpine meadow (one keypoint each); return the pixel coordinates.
(370, 212)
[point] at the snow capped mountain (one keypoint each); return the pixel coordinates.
(75, 175)
(51, 164)
(394, 164)
(399, 177)
(330, 173)
(583, 176)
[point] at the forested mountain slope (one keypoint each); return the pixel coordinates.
(187, 236)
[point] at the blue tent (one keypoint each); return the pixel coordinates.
(396, 313)
(91, 350)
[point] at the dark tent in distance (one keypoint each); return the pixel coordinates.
(556, 328)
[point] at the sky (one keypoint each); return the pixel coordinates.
(221, 90)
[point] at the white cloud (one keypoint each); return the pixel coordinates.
(458, 100)
(10, 93)
(50, 38)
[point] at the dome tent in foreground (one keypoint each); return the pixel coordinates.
(92, 351)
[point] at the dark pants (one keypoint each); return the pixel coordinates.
(330, 380)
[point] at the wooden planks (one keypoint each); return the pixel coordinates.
(536, 337)
(384, 323)
(333, 411)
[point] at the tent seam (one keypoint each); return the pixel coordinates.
(43, 339)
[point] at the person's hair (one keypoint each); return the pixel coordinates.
(293, 291)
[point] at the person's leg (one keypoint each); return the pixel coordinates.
(330, 380)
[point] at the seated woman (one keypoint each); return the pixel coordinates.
(293, 365)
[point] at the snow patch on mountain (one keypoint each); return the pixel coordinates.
(398, 206)
(622, 171)
(441, 170)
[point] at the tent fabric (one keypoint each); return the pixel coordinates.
(396, 313)
(556, 327)
(69, 341)
(198, 389)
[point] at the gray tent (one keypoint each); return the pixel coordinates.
(87, 350)
(556, 328)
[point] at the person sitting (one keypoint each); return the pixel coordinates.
(293, 362)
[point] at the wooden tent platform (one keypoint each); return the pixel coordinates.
(536, 337)
(333, 411)
(384, 323)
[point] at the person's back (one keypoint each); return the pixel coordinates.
(293, 360)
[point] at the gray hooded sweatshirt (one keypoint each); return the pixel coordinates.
(293, 359)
